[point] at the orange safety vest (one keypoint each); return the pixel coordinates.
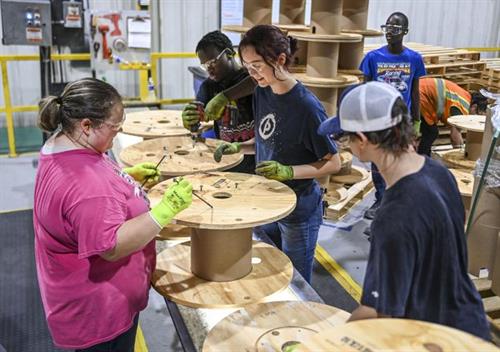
(438, 96)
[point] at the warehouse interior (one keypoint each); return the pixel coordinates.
(214, 258)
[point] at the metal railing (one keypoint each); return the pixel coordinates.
(10, 109)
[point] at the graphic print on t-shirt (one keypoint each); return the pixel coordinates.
(267, 126)
(397, 74)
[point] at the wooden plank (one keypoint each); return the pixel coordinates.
(491, 304)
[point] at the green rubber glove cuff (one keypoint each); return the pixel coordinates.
(215, 107)
(416, 127)
(162, 214)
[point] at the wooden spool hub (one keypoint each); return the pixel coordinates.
(326, 16)
(181, 158)
(465, 182)
(257, 12)
(155, 123)
(239, 202)
(474, 125)
(350, 55)
(292, 12)
(322, 59)
(273, 326)
(356, 175)
(354, 14)
(456, 159)
(271, 272)
(379, 335)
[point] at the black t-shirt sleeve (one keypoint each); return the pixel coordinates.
(390, 268)
(318, 145)
(206, 91)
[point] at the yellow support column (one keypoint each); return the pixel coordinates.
(8, 111)
(143, 85)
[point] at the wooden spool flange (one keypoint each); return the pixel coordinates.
(271, 272)
(379, 335)
(240, 202)
(456, 159)
(465, 182)
(356, 175)
(155, 123)
(181, 158)
(272, 326)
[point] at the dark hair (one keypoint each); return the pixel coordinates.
(398, 138)
(85, 98)
(215, 39)
(269, 42)
(403, 17)
(480, 100)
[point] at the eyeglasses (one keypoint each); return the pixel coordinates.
(394, 29)
(253, 67)
(210, 63)
(116, 126)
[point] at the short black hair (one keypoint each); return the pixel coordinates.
(215, 39)
(480, 100)
(402, 16)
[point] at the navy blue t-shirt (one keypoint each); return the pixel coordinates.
(398, 70)
(286, 131)
(417, 267)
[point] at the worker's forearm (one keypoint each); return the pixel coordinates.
(329, 165)
(240, 89)
(132, 236)
(248, 147)
(456, 137)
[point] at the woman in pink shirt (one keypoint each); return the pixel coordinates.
(94, 230)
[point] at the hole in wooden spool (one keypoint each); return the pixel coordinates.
(150, 154)
(466, 181)
(222, 195)
(246, 297)
(238, 219)
(432, 347)
(163, 121)
(181, 152)
(289, 346)
(275, 333)
(136, 121)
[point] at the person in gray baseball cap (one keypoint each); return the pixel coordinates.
(417, 267)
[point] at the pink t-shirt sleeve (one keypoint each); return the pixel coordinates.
(95, 222)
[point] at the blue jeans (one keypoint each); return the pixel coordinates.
(297, 239)
(378, 183)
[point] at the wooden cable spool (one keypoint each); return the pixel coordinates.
(474, 125)
(182, 158)
(356, 175)
(273, 326)
(456, 159)
(155, 123)
(465, 182)
(271, 272)
(407, 335)
(236, 203)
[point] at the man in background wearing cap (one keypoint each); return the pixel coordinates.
(400, 67)
(417, 267)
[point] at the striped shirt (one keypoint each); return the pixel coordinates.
(438, 96)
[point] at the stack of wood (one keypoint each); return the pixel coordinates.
(490, 78)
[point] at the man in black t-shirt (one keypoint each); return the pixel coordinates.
(417, 268)
(236, 122)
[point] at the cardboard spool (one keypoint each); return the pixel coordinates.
(257, 12)
(474, 125)
(484, 226)
(155, 123)
(182, 158)
(271, 272)
(273, 326)
(292, 12)
(407, 335)
(236, 203)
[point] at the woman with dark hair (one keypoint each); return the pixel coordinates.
(417, 268)
(94, 231)
(287, 147)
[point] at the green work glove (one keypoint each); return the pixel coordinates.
(416, 128)
(190, 116)
(226, 148)
(274, 170)
(215, 107)
(140, 172)
(176, 198)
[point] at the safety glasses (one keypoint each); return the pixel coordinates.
(254, 67)
(393, 29)
(210, 63)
